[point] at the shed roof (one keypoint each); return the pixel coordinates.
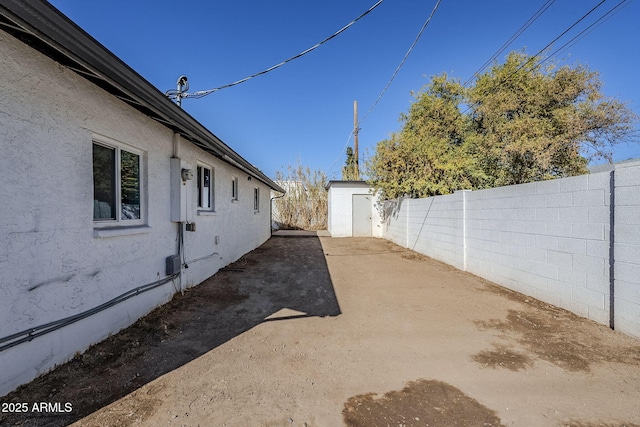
(348, 183)
(43, 27)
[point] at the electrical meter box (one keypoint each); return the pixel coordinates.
(178, 189)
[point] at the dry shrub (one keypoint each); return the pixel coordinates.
(304, 207)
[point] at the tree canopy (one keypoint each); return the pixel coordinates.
(350, 170)
(520, 122)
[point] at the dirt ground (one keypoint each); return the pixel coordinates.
(308, 331)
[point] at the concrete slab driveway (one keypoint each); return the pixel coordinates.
(309, 331)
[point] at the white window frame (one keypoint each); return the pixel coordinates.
(200, 167)
(256, 200)
(118, 221)
(234, 189)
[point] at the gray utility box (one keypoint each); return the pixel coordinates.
(173, 265)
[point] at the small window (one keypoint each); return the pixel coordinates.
(116, 184)
(256, 200)
(234, 189)
(205, 183)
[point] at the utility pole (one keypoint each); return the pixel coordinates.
(355, 137)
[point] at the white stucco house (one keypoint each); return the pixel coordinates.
(354, 210)
(113, 198)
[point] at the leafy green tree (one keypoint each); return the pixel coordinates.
(533, 123)
(520, 122)
(429, 155)
(349, 171)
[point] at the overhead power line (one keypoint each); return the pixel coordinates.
(513, 38)
(393, 76)
(331, 175)
(406, 55)
(534, 57)
(175, 94)
(565, 32)
(582, 34)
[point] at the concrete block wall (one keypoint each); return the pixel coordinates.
(626, 249)
(395, 213)
(548, 239)
(431, 226)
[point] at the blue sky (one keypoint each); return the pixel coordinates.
(303, 111)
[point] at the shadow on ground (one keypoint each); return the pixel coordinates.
(286, 278)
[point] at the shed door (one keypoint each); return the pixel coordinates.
(361, 216)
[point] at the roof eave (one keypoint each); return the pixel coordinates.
(44, 28)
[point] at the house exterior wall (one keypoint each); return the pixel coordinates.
(53, 264)
(340, 205)
(549, 239)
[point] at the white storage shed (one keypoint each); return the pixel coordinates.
(353, 210)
